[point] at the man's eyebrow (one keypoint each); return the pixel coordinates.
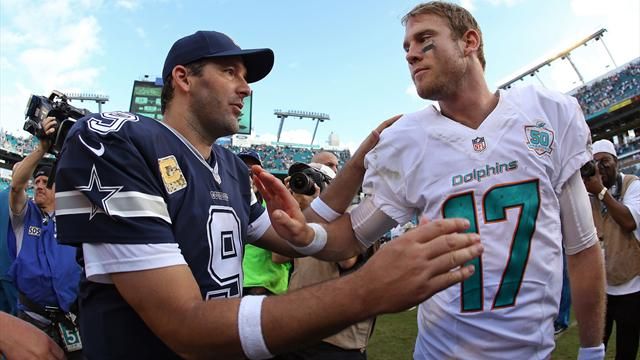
(418, 35)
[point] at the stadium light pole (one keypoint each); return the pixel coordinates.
(565, 54)
(100, 99)
(568, 58)
(615, 66)
(318, 117)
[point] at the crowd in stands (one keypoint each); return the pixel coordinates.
(278, 159)
(17, 145)
(610, 90)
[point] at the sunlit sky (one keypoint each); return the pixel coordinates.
(343, 58)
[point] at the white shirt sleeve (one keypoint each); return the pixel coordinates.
(578, 230)
(574, 142)
(100, 260)
(385, 178)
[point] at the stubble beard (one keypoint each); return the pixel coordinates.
(447, 82)
(211, 121)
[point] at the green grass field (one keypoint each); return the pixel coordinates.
(395, 334)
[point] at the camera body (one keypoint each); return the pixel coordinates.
(56, 105)
(302, 181)
(589, 169)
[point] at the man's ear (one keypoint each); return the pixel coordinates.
(471, 40)
(180, 78)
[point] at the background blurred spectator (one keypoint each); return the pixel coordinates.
(351, 342)
(616, 212)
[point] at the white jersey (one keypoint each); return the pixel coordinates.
(505, 177)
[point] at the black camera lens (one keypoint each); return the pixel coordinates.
(300, 183)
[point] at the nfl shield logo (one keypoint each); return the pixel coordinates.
(478, 144)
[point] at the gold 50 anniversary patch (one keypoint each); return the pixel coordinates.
(171, 174)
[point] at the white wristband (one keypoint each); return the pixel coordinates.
(592, 353)
(250, 328)
(317, 244)
(323, 210)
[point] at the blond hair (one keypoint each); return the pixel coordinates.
(460, 20)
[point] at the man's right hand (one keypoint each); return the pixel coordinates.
(49, 127)
(284, 211)
(418, 264)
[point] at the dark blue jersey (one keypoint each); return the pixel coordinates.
(127, 179)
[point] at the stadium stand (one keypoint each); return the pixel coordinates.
(629, 156)
(278, 159)
(17, 145)
(597, 96)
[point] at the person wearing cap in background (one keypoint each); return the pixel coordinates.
(265, 272)
(326, 158)
(162, 213)
(44, 272)
(351, 342)
(615, 203)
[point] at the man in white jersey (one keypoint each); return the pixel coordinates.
(509, 162)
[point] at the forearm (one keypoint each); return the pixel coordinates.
(314, 313)
(339, 195)
(300, 317)
(341, 242)
(24, 169)
(191, 327)
(587, 279)
(208, 328)
(620, 213)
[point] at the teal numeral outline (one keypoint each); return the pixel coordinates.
(463, 206)
(525, 196)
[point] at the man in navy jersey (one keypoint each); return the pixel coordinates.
(162, 214)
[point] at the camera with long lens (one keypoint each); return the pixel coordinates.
(56, 105)
(303, 178)
(589, 169)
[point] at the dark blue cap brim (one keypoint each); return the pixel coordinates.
(258, 62)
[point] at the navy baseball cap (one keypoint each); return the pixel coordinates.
(250, 154)
(43, 170)
(210, 44)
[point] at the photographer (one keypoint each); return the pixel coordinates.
(45, 273)
(306, 182)
(616, 211)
